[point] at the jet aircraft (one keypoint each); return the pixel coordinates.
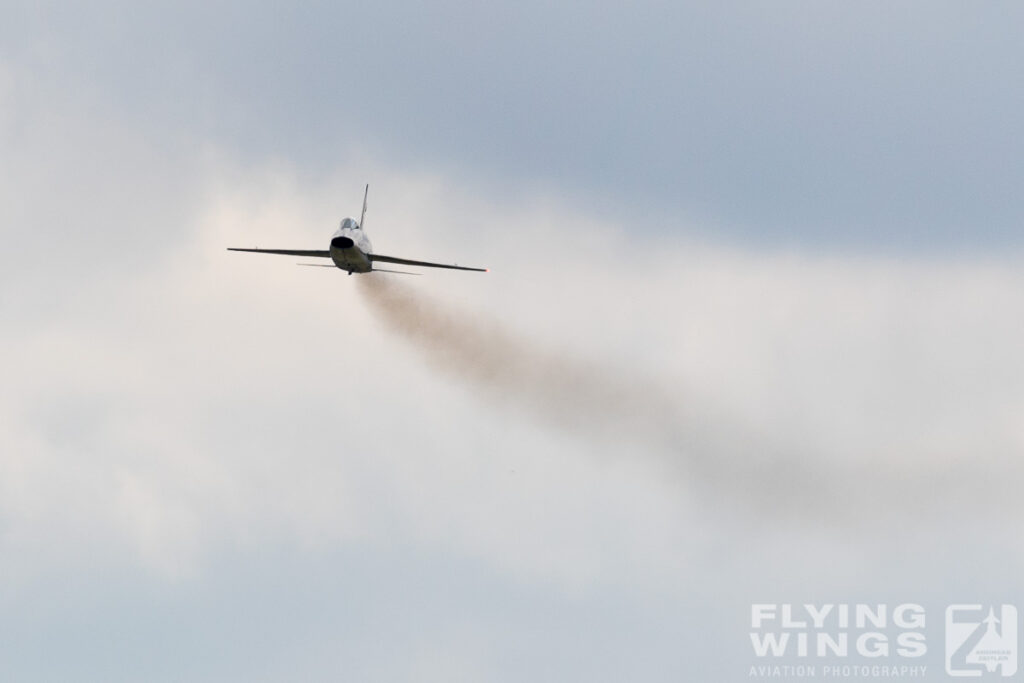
(351, 251)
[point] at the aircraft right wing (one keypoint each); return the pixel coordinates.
(287, 252)
(408, 262)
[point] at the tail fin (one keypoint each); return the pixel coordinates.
(362, 216)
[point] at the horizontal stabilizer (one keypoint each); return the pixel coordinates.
(287, 252)
(428, 264)
(400, 272)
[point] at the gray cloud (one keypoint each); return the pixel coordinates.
(866, 125)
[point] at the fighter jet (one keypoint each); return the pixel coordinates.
(351, 250)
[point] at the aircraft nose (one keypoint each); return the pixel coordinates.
(342, 243)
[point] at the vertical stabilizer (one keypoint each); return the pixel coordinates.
(362, 216)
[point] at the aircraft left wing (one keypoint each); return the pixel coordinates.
(428, 264)
(287, 252)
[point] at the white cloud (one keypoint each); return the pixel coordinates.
(227, 398)
(167, 405)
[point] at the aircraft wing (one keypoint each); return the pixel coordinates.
(408, 262)
(287, 252)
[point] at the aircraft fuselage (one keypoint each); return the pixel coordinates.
(350, 248)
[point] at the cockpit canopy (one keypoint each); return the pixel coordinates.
(349, 224)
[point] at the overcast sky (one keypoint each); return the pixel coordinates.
(752, 333)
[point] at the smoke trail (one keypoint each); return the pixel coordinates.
(726, 464)
(552, 387)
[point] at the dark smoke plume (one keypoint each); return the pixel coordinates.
(567, 392)
(725, 464)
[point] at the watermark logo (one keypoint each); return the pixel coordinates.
(837, 641)
(981, 640)
(872, 631)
